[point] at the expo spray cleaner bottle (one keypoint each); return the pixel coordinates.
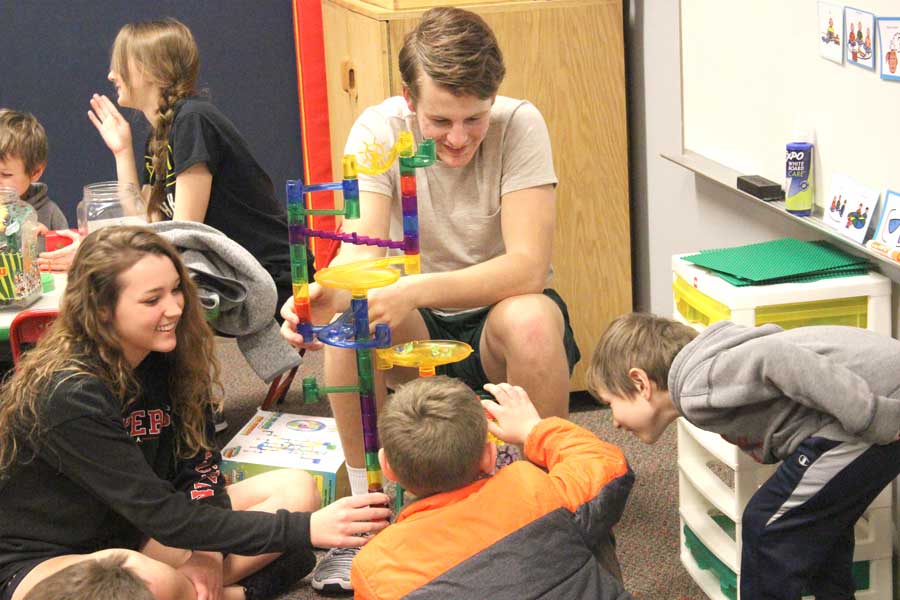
(800, 191)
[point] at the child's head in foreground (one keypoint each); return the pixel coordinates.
(630, 371)
(23, 150)
(434, 436)
(99, 579)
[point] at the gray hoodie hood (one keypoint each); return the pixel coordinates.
(766, 390)
(37, 196)
(47, 211)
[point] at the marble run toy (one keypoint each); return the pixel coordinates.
(352, 330)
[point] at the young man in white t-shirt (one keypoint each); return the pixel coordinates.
(487, 212)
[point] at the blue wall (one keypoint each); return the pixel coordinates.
(55, 53)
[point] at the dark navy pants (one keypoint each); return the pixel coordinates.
(798, 527)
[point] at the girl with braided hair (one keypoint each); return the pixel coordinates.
(196, 165)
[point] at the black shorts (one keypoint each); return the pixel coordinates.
(467, 327)
(8, 587)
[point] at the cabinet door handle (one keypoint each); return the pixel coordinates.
(348, 78)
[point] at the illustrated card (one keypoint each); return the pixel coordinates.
(831, 28)
(850, 208)
(889, 47)
(859, 38)
(836, 202)
(888, 231)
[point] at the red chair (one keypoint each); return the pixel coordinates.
(278, 389)
(27, 328)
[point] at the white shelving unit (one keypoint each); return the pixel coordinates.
(703, 493)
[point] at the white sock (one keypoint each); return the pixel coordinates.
(359, 482)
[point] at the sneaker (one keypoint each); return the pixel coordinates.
(219, 419)
(332, 574)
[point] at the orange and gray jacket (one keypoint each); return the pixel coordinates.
(530, 531)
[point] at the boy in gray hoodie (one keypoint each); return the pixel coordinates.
(825, 400)
(23, 158)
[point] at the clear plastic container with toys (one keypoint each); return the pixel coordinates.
(20, 280)
(110, 203)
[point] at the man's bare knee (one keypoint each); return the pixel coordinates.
(527, 327)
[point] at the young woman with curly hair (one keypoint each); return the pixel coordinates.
(107, 445)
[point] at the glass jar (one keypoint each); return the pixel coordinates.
(110, 203)
(20, 279)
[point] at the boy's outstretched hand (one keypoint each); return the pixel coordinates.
(345, 522)
(515, 414)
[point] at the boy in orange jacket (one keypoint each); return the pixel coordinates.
(535, 529)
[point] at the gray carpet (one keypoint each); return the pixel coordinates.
(647, 535)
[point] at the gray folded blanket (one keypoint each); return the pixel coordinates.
(233, 282)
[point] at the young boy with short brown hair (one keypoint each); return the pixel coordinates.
(532, 530)
(107, 578)
(825, 400)
(23, 158)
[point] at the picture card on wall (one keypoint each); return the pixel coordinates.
(851, 208)
(888, 231)
(830, 28)
(859, 38)
(889, 47)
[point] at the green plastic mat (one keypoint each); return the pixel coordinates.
(831, 274)
(779, 261)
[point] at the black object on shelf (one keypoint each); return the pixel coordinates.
(760, 187)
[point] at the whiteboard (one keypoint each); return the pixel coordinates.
(752, 73)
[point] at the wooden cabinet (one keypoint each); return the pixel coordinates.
(567, 58)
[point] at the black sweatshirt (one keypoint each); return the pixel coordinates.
(106, 477)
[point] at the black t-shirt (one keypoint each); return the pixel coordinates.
(242, 202)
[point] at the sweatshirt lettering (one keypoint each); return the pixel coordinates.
(204, 487)
(146, 422)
